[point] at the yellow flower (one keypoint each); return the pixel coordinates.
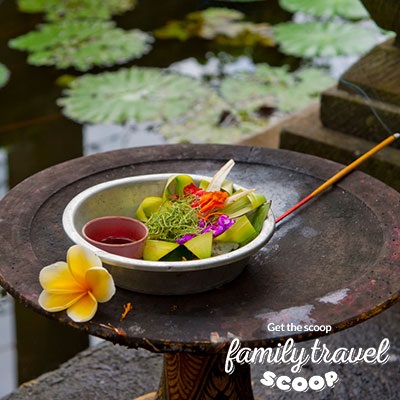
(76, 285)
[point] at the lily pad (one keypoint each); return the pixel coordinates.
(57, 10)
(307, 87)
(4, 75)
(326, 39)
(251, 91)
(212, 121)
(82, 44)
(224, 25)
(135, 94)
(275, 87)
(352, 9)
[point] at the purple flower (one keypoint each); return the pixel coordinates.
(185, 238)
(208, 228)
(223, 224)
(225, 221)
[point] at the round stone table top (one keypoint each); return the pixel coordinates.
(335, 262)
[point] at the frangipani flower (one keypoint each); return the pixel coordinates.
(77, 285)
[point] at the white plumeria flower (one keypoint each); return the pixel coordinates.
(77, 285)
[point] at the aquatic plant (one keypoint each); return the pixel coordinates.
(56, 10)
(82, 44)
(189, 109)
(245, 103)
(324, 34)
(223, 25)
(212, 121)
(134, 94)
(4, 75)
(351, 9)
(275, 87)
(326, 39)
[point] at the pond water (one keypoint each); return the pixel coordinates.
(35, 135)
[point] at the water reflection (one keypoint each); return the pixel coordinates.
(3, 172)
(99, 138)
(8, 364)
(8, 380)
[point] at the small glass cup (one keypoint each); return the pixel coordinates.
(122, 236)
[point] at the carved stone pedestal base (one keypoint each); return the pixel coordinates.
(192, 377)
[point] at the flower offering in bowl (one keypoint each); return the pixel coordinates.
(202, 230)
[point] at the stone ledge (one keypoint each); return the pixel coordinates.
(352, 114)
(305, 133)
(103, 372)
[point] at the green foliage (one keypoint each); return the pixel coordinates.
(212, 120)
(189, 110)
(275, 87)
(57, 10)
(327, 39)
(4, 75)
(252, 91)
(351, 9)
(223, 25)
(239, 112)
(82, 44)
(135, 94)
(307, 87)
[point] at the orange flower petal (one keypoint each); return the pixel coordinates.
(100, 283)
(212, 200)
(84, 309)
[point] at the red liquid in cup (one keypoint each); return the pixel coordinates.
(118, 235)
(116, 240)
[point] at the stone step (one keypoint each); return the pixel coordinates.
(305, 133)
(353, 114)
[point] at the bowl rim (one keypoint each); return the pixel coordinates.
(159, 266)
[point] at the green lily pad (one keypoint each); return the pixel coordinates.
(135, 94)
(216, 21)
(307, 87)
(4, 75)
(326, 39)
(82, 44)
(275, 87)
(224, 25)
(352, 9)
(57, 10)
(251, 91)
(212, 120)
